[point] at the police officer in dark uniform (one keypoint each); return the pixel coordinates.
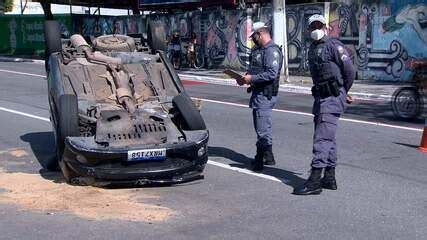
(263, 77)
(333, 74)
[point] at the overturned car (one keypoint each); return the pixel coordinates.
(120, 114)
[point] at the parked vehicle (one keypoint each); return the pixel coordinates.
(120, 114)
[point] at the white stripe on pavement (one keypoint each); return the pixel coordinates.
(22, 73)
(309, 114)
(243, 170)
(24, 114)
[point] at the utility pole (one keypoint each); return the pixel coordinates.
(280, 33)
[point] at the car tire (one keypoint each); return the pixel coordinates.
(189, 115)
(67, 117)
(117, 43)
(156, 36)
(67, 127)
(52, 37)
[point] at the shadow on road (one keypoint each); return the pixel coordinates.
(379, 111)
(43, 146)
(287, 177)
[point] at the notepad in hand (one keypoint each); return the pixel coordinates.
(233, 74)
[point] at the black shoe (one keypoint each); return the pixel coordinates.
(312, 186)
(328, 181)
(268, 156)
(257, 163)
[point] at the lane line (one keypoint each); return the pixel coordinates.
(22, 73)
(245, 171)
(24, 114)
(309, 114)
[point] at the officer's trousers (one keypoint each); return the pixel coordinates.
(324, 140)
(262, 125)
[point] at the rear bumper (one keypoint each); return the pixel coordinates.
(182, 163)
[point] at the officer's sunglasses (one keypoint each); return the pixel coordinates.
(315, 25)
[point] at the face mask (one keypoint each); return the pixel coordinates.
(317, 34)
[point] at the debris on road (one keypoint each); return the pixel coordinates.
(33, 192)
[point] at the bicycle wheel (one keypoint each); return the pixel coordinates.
(407, 102)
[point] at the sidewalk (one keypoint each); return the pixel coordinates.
(365, 90)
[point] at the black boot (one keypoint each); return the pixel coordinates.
(257, 163)
(268, 156)
(328, 181)
(312, 185)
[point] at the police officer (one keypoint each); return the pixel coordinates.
(333, 74)
(263, 77)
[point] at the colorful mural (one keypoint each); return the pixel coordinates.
(94, 25)
(223, 34)
(383, 37)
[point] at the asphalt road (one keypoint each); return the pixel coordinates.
(382, 177)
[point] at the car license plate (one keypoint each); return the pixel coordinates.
(147, 155)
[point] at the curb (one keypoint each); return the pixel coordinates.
(283, 87)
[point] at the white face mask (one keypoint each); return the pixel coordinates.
(317, 34)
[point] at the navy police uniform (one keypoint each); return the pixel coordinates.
(333, 75)
(265, 65)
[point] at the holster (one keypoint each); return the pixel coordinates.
(326, 89)
(268, 89)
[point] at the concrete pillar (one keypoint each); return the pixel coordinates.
(280, 33)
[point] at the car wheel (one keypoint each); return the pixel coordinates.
(67, 127)
(156, 35)
(68, 117)
(189, 115)
(119, 43)
(52, 37)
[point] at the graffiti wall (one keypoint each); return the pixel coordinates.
(383, 37)
(93, 25)
(222, 34)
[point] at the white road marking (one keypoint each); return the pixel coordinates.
(309, 114)
(22, 73)
(24, 114)
(245, 171)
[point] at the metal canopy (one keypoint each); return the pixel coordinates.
(122, 4)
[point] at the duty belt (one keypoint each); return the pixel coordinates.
(326, 89)
(269, 89)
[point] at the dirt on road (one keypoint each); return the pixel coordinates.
(34, 192)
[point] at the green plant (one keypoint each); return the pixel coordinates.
(8, 5)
